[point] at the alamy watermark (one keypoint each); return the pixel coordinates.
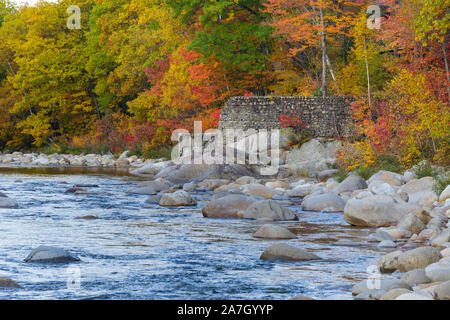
(374, 17)
(74, 21)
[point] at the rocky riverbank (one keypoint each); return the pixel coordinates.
(408, 219)
(19, 159)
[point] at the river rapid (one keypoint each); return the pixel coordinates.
(136, 251)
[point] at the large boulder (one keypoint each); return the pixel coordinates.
(183, 173)
(150, 187)
(351, 183)
(230, 206)
(314, 155)
(258, 190)
(324, 202)
(439, 271)
(366, 213)
(268, 210)
(287, 252)
(46, 254)
(270, 231)
(179, 198)
(418, 258)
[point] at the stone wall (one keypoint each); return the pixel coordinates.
(327, 117)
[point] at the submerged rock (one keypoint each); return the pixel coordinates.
(46, 254)
(8, 203)
(287, 252)
(270, 231)
(8, 283)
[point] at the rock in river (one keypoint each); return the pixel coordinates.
(368, 213)
(269, 231)
(324, 202)
(177, 199)
(8, 283)
(8, 203)
(287, 252)
(229, 206)
(268, 210)
(45, 254)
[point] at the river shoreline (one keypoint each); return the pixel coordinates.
(394, 223)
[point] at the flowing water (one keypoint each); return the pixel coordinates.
(138, 252)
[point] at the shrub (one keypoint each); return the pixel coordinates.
(341, 175)
(442, 181)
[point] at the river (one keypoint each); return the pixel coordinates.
(138, 252)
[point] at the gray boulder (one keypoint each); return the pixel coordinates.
(268, 210)
(416, 277)
(229, 206)
(177, 199)
(150, 187)
(287, 252)
(383, 284)
(46, 254)
(184, 173)
(367, 213)
(324, 202)
(351, 183)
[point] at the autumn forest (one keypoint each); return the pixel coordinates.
(135, 70)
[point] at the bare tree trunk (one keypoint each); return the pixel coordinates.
(324, 59)
(444, 50)
(368, 73)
